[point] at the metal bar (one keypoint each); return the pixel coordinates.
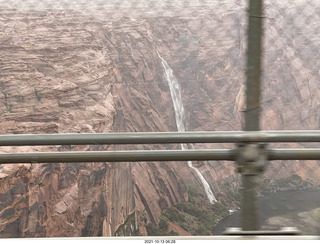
(254, 52)
(160, 138)
(151, 155)
(249, 208)
(249, 214)
(117, 156)
(294, 154)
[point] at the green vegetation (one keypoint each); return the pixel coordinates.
(197, 215)
(163, 224)
(205, 219)
(154, 230)
(161, 229)
(202, 231)
(136, 233)
(294, 182)
(173, 215)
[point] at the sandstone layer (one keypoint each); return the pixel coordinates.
(72, 71)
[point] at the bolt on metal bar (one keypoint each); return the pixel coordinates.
(160, 137)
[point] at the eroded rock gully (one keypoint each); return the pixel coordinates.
(64, 71)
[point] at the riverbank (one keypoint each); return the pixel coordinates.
(281, 209)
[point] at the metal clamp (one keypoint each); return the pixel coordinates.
(251, 158)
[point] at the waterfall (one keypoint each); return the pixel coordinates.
(175, 92)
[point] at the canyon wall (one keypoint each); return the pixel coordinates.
(72, 71)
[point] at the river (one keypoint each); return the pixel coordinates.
(282, 209)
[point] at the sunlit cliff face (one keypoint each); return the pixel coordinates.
(69, 71)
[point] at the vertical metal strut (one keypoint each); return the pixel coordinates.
(248, 164)
(254, 52)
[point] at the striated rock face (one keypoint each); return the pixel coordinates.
(61, 74)
(64, 71)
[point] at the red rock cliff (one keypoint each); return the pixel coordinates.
(65, 71)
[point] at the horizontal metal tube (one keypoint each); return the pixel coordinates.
(120, 138)
(294, 154)
(160, 138)
(117, 156)
(151, 155)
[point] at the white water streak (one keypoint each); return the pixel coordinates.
(179, 114)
